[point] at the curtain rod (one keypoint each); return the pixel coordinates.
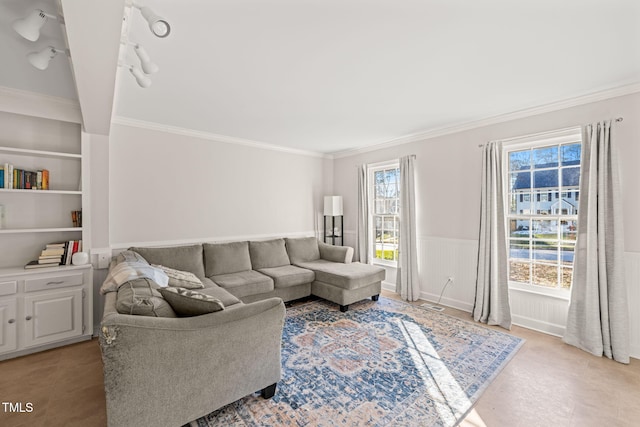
(619, 119)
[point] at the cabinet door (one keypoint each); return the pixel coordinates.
(52, 316)
(8, 324)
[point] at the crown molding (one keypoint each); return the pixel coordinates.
(125, 121)
(464, 126)
(38, 105)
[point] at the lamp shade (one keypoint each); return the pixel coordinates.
(41, 59)
(29, 27)
(333, 205)
(142, 80)
(158, 25)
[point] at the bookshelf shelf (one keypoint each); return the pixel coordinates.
(38, 153)
(68, 192)
(39, 230)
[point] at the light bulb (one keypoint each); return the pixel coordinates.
(141, 78)
(147, 65)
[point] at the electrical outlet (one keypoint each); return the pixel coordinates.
(451, 279)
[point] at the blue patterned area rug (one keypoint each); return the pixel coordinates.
(384, 363)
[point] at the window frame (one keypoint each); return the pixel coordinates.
(371, 170)
(554, 138)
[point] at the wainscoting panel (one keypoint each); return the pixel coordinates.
(632, 278)
(439, 259)
(538, 312)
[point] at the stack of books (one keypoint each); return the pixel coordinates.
(55, 254)
(19, 179)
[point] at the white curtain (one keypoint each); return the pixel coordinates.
(363, 245)
(407, 284)
(491, 304)
(598, 318)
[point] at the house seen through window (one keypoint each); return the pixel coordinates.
(542, 211)
(385, 209)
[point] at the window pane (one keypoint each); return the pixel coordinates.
(545, 251)
(546, 157)
(519, 272)
(571, 154)
(519, 250)
(545, 228)
(544, 275)
(545, 179)
(567, 278)
(544, 202)
(569, 229)
(569, 203)
(571, 177)
(519, 160)
(379, 206)
(519, 228)
(520, 181)
(566, 254)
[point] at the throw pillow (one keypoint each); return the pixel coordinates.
(141, 297)
(181, 279)
(186, 302)
(129, 256)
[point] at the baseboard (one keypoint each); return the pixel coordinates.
(538, 325)
(448, 302)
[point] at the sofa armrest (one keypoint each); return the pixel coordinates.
(343, 254)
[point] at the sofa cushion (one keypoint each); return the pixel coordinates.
(268, 253)
(288, 275)
(141, 297)
(129, 270)
(186, 302)
(225, 258)
(181, 279)
(302, 249)
(185, 258)
(217, 292)
(347, 276)
(244, 283)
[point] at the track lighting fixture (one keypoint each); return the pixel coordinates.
(29, 27)
(41, 59)
(142, 79)
(148, 66)
(158, 25)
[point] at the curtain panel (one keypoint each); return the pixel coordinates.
(598, 317)
(491, 304)
(407, 281)
(363, 244)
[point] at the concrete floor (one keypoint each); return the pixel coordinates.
(547, 383)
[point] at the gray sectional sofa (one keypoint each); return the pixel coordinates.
(161, 368)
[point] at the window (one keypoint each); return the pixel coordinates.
(385, 197)
(542, 232)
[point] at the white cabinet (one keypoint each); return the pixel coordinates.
(44, 308)
(8, 335)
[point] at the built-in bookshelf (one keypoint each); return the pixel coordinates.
(36, 217)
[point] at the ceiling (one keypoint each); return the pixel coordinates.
(333, 75)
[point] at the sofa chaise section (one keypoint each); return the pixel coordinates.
(336, 278)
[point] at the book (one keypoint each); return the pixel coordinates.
(55, 245)
(50, 261)
(39, 180)
(6, 175)
(10, 177)
(35, 264)
(45, 179)
(53, 251)
(1, 177)
(68, 253)
(50, 256)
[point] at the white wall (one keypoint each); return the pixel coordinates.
(165, 187)
(448, 172)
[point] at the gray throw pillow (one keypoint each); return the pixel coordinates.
(186, 302)
(181, 279)
(141, 297)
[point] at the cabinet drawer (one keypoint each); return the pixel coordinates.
(8, 288)
(53, 282)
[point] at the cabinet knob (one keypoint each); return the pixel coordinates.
(28, 318)
(12, 320)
